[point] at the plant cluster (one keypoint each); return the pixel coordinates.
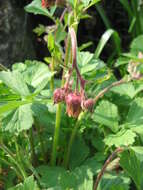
(70, 122)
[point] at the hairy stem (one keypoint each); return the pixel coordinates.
(118, 150)
(105, 90)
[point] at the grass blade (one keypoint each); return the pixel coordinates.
(104, 39)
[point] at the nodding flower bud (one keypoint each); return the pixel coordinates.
(73, 104)
(88, 104)
(59, 95)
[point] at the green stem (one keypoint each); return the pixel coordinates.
(58, 111)
(31, 140)
(134, 5)
(19, 160)
(52, 79)
(72, 137)
(13, 159)
(56, 134)
(13, 166)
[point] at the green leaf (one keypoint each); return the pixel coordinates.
(104, 39)
(42, 114)
(58, 178)
(114, 182)
(60, 32)
(35, 73)
(8, 181)
(106, 114)
(130, 90)
(135, 115)
(83, 178)
(35, 7)
(39, 30)
(11, 106)
(18, 120)
(93, 164)
(136, 44)
(91, 68)
(90, 3)
(127, 89)
(79, 152)
(15, 81)
(132, 162)
(122, 61)
(83, 58)
(85, 45)
(6, 94)
(122, 138)
(29, 184)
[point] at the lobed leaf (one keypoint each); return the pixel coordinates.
(18, 120)
(15, 81)
(122, 138)
(106, 114)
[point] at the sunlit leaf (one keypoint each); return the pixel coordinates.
(15, 81)
(106, 114)
(122, 138)
(18, 120)
(104, 39)
(35, 73)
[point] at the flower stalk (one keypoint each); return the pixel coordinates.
(58, 111)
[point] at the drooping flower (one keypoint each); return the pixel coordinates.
(73, 104)
(88, 104)
(59, 95)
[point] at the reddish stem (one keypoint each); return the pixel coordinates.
(118, 150)
(74, 55)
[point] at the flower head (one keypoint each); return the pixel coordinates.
(88, 104)
(73, 104)
(59, 95)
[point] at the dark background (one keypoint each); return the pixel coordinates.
(18, 42)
